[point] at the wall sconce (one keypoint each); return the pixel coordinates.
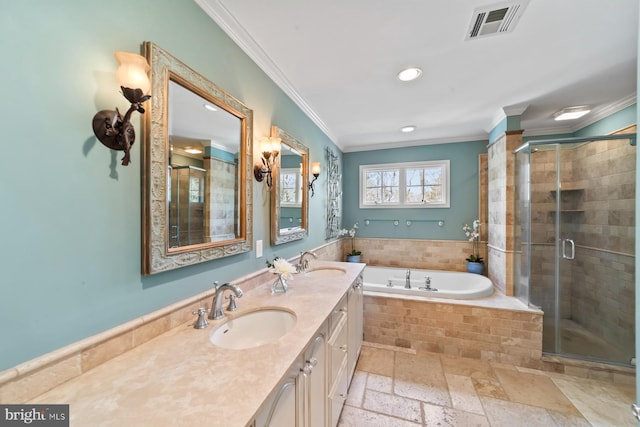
(109, 126)
(270, 148)
(315, 171)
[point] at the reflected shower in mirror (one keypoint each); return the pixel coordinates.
(290, 196)
(198, 160)
(204, 143)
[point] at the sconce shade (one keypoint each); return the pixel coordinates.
(113, 129)
(133, 71)
(270, 145)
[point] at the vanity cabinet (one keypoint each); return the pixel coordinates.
(300, 399)
(314, 391)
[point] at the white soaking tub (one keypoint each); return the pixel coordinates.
(431, 283)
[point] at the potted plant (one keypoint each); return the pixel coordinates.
(353, 256)
(475, 264)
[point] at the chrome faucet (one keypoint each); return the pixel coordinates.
(217, 312)
(407, 283)
(303, 263)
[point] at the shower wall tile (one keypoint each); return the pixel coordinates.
(501, 187)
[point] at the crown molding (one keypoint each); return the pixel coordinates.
(234, 29)
(416, 143)
(605, 111)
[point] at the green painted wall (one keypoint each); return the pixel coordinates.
(464, 192)
(70, 211)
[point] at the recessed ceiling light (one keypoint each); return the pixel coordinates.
(409, 74)
(193, 151)
(571, 113)
(209, 107)
(408, 129)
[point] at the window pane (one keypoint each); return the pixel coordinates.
(433, 193)
(391, 178)
(414, 195)
(414, 177)
(382, 186)
(373, 195)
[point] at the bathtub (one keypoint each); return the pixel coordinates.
(443, 284)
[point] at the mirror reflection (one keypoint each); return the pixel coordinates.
(290, 195)
(198, 158)
(204, 144)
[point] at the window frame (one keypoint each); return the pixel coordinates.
(402, 168)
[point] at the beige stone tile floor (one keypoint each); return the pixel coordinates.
(401, 387)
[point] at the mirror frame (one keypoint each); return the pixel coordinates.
(278, 238)
(157, 256)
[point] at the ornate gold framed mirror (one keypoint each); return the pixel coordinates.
(290, 193)
(197, 157)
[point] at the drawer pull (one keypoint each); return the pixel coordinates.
(306, 370)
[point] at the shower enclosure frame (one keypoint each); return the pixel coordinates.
(566, 222)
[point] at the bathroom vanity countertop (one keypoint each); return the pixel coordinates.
(180, 378)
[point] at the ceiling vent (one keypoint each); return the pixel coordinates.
(499, 18)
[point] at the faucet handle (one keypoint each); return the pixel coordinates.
(232, 303)
(216, 284)
(201, 323)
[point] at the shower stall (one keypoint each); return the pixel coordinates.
(574, 243)
(186, 205)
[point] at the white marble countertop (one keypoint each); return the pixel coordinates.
(180, 378)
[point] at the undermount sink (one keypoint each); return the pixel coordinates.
(325, 272)
(253, 329)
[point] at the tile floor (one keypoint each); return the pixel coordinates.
(395, 387)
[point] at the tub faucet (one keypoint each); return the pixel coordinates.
(217, 312)
(303, 263)
(407, 283)
(427, 285)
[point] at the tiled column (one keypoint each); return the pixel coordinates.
(500, 221)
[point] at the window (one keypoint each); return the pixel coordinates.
(405, 185)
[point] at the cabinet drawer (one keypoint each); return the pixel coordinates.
(338, 395)
(337, 314)
(338, 346)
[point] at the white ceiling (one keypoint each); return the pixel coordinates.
(338, 60)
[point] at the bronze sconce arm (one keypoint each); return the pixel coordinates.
(116, 131)
(110, 127)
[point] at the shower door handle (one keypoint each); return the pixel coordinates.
(564, 249)
(635, 410)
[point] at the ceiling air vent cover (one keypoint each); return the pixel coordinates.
(499, 18)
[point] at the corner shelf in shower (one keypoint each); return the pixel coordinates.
(570, 198)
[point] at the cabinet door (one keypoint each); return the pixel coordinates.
(282, 409)
(355, 318)
(314, 376)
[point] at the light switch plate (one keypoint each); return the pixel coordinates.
(258, 248)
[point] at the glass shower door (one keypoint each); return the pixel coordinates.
(581, 244)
